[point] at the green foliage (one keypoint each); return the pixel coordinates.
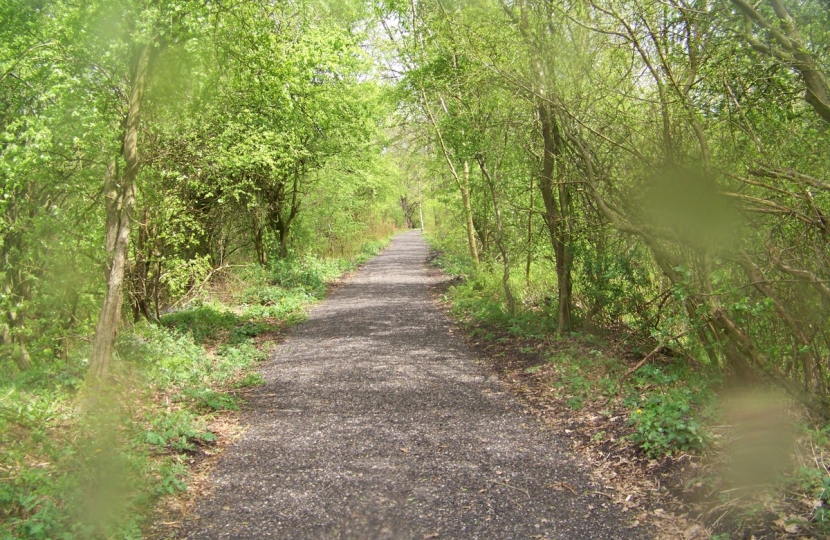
(203, 323)
(128, 445)
(666, 402)
(250, 380)
(666, 423)
(207, 400)
(614, 285)
(310, 274)
(688, 169)
(178, 430)
(172, 475)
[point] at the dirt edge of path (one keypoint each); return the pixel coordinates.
(643, 487)
(349, 381)
(168, 517)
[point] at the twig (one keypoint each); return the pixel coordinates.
(516, 488)
(186, 296)
(641, 363)
(720, 518)
(569, 488)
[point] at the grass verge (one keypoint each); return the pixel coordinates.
(78, 464)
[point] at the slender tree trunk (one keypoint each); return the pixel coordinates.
(407, 223)
(463, 183)
(464, 187)
(285, 224)
(284, 243)
(15, 290)
(529, 234)
(785, 43)
(258, 226)
(20, 354)
(421, 206)
(554, 219)
(140, 278)
(112, 203)
(119, 229)
(564, 260)
(505, 259)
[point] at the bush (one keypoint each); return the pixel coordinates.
(178, 430)
(91, 466)
(202, 322)
(309, 274)
(666, 423)
(665, 403)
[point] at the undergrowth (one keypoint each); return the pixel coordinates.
(663, 400)
(82, 464)
(672, 405)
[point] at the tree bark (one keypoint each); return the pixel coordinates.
(554, 218)
(16, 292)
(119, 228)
(258, 238)
(464, 187)
(529, 260)
(462, 182)
(285, 223)
(786, 45)
(421, 207)
(505, 259)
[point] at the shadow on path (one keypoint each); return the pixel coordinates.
(375, 422)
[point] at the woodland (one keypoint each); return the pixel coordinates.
(180, 179)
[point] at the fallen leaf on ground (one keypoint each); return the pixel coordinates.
(791, 528)
(692, 532)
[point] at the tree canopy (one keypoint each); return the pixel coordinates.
(653, 168)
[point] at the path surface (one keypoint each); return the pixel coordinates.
(376, 422)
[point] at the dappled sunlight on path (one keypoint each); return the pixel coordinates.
(375, 422)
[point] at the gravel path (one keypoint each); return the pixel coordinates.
(376, 422)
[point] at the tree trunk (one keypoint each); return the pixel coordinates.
(421, 208)
(283, 243)
(554, 219)
(505, 280)
(112, 204)
(17, 293)
(258, 226)
(529, 235)
(20, 354)
(407, 223)
(280, 222)
(789, 47)
(119, 227)
(564, 260)
(464, 187)
(140, 277)
(462, 182)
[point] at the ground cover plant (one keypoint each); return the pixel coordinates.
(92, 466)
(178, 181)
(729, 471)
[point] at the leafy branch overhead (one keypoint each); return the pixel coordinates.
(780, 38)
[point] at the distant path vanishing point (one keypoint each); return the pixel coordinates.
(375, 422)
